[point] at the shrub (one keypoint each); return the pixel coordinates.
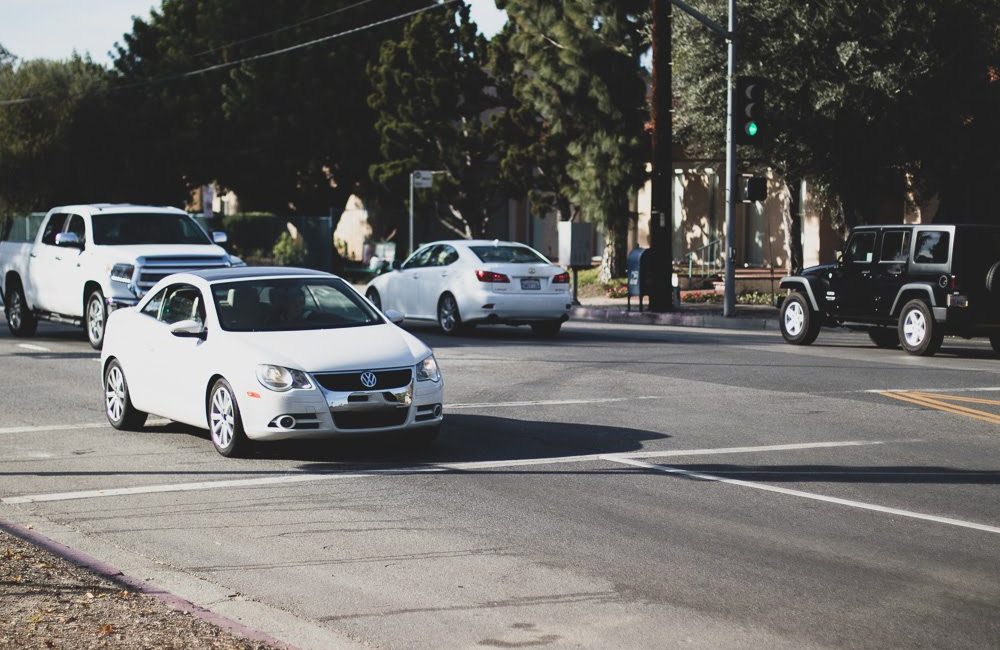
(288, 251)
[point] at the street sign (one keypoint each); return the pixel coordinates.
(423, 179)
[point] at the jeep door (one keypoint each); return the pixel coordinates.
(852, 281)
(890, 271)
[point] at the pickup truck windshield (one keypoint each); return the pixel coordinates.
(126, 229)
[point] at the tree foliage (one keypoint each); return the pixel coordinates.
(866, 96)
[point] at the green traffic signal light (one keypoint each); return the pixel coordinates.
(751, 129)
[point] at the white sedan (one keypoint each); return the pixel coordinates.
(267, 354)
(462, 283)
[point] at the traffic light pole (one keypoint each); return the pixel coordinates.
(729, 306)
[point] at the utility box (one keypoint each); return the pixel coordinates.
(576, 244)
(639, 272)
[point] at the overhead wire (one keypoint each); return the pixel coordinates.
(252, 58)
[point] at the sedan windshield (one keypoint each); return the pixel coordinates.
(290, 304)
(146, 228)
(508, 254)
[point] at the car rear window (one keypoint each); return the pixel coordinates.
(508, 255)
(931, 247)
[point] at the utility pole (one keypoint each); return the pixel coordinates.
(661, 222)
(729, 307)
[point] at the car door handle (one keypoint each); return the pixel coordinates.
(58, 258)
(444, 274)
(33, 255)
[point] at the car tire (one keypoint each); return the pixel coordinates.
(993, 280)
(118, 400)
(225, 424)
(799, 324)
(95, 319)
(374, 298)
(995, 342)
(886, 338)
(547, 329)
(20, 320)
(919, 334)
(449, 320)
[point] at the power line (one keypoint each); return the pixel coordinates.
(255, 57)
(283, 29)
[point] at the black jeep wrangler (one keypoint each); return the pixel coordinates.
(907, 285)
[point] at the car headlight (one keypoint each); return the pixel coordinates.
(280, 379)
(122, 272)
(427, 370)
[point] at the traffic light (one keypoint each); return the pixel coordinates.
(753, 188)
(749, 114)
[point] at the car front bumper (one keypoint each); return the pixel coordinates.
(321, 413)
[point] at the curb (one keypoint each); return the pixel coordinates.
(621, 316)
(177, 603)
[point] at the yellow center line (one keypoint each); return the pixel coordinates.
(959, 398)
(920, 400)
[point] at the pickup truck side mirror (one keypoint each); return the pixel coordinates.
(69, 240)
(190, 329)
(219, 237)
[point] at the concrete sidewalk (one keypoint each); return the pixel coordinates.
(614, 310)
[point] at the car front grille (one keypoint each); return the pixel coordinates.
(351, 381)
(370, 419)
(153, 269)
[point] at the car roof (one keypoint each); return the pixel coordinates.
(117, 208)
(475, 242)
(251, 272)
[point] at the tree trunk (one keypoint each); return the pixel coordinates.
(791, 219)
(615, 250)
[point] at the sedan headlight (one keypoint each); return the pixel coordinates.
(122, 272)
(427, 370)
(280, 379)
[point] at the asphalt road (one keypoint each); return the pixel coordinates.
(620, 486)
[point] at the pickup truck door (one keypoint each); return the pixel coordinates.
(43, 265)
(68, 289)
(852, 281)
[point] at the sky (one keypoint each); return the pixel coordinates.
(53, 29)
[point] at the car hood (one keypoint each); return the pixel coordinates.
(819, 269)
(349, 348)
(129, 254)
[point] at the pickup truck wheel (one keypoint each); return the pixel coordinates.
(884, 337)
(20, 320)
(799, 324)
(95, 318)
(225, 422)
(118, 401)
(919, 334)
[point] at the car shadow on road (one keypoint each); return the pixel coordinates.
(843, 473)
(464, 438)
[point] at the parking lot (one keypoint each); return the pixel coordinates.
(618, 486)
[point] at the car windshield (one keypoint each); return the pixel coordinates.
(290, 304)
(125, 229)
(508, 254)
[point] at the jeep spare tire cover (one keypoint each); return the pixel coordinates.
(993, 280)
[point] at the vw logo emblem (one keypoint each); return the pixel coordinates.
(368, 379)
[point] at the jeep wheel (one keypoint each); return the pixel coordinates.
(799, 324)
(884, 337)
(919, 334)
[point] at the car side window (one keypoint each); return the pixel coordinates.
(895, 246)
(152, 308)
(53, 227)
(420, 258)
(183, 302)
(931, 247)
(861, 250)
(445, 255)
(77, 226)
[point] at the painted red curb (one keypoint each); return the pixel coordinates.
(172, 601)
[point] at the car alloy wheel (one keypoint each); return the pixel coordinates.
(448, 317)
(795, 319)
(223, 417)
(96, 319)
(914, 328)
(919, 333)
(15, 310)
(20, 320)
(114, 394)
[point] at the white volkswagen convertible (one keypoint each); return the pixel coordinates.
(267, 354)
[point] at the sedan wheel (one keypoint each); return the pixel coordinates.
(118, 402)
(449, 319)
(224, 421)
(96, 319)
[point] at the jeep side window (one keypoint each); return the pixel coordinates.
(895, 246)
(932, 247)
(861, 249)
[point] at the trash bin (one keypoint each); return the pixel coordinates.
(639, 272)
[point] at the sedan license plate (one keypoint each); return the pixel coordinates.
(531, 284)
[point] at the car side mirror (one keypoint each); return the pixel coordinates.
(396, 265)
(188, 329)
(219, 237)
(69, 240)
(840, 259)
(394, 316)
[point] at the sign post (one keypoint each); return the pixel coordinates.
(419, 179)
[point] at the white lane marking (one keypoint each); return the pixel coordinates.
(70, 427)
(805, 495)
(983, 389)
(304, 477)
(548, 402)
(36, 348)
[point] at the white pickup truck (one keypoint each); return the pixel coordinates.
(84, 261)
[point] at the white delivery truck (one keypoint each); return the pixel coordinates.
(86, 260)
